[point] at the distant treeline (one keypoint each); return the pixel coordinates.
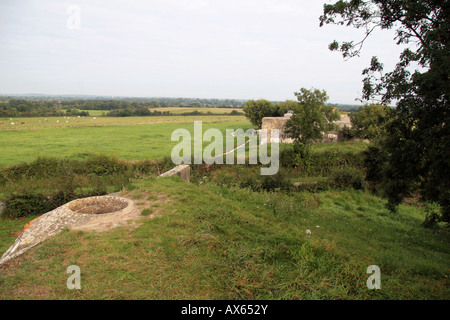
(42, 108)
(135, 103)
(39, 106)
(145, 112)
(118, 107)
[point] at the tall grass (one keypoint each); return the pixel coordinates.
(217, 242)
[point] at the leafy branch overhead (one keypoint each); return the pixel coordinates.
(416, 142)
(423, 25)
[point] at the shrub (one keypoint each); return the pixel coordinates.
(101, 165)
(347, 178)
(297, 156)
(374, 162)
(278, 181)
(433, 215)
(347, 133)
(251, 182)
(26, 204)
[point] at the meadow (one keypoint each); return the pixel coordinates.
(229, 234)
(217, 242)
(129, 138)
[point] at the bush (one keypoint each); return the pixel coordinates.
(101, 165)
(433, 215)
(318, 162)
(27, 204)
(279, 181)
(251, 182)
(297, 156)
(374, 162)
(347, 178)
(47, 183)
(348, 133)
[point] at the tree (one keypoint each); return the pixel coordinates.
(284, 107)
(311, 116)
(417, 143)
(256, 110)
(370, 121)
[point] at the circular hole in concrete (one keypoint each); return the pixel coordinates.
(98, 205)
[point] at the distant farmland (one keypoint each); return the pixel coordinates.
(129, 138)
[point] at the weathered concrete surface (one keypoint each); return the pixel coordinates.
(183, 171)
(269, 123)
(77, 214)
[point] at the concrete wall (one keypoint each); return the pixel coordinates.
(269, 123)
(279, 123)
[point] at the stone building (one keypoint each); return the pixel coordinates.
(279, 123)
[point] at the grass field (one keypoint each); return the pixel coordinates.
(213, 242)
(93, 121)
(126, 138)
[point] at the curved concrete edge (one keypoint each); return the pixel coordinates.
(53, 222)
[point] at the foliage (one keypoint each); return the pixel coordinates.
(347, 178)
(305, 160)
(416, 142)
(30, 203)
(433, 215)
(311, 116)
(369, 122)
(278, 181)
(375, 163)
(119, 107)
(46, 183)
(255, 110)
(299, 156)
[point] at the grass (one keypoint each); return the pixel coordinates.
(96, 113)
(350, 147)
(74, 122)
(143, 140)
(212, 241)
(215, 242)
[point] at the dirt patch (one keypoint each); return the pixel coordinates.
(98, 205)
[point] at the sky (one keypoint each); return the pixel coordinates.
(225, 49)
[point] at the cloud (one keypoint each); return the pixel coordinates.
(199, 48)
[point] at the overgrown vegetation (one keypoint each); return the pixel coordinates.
(47, 183)
(416, 145)
(220, 242)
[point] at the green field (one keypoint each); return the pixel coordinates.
(94, 121)
(217, 237)
(126, 138)
(214, 242)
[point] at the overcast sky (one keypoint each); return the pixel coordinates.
(242, 49)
